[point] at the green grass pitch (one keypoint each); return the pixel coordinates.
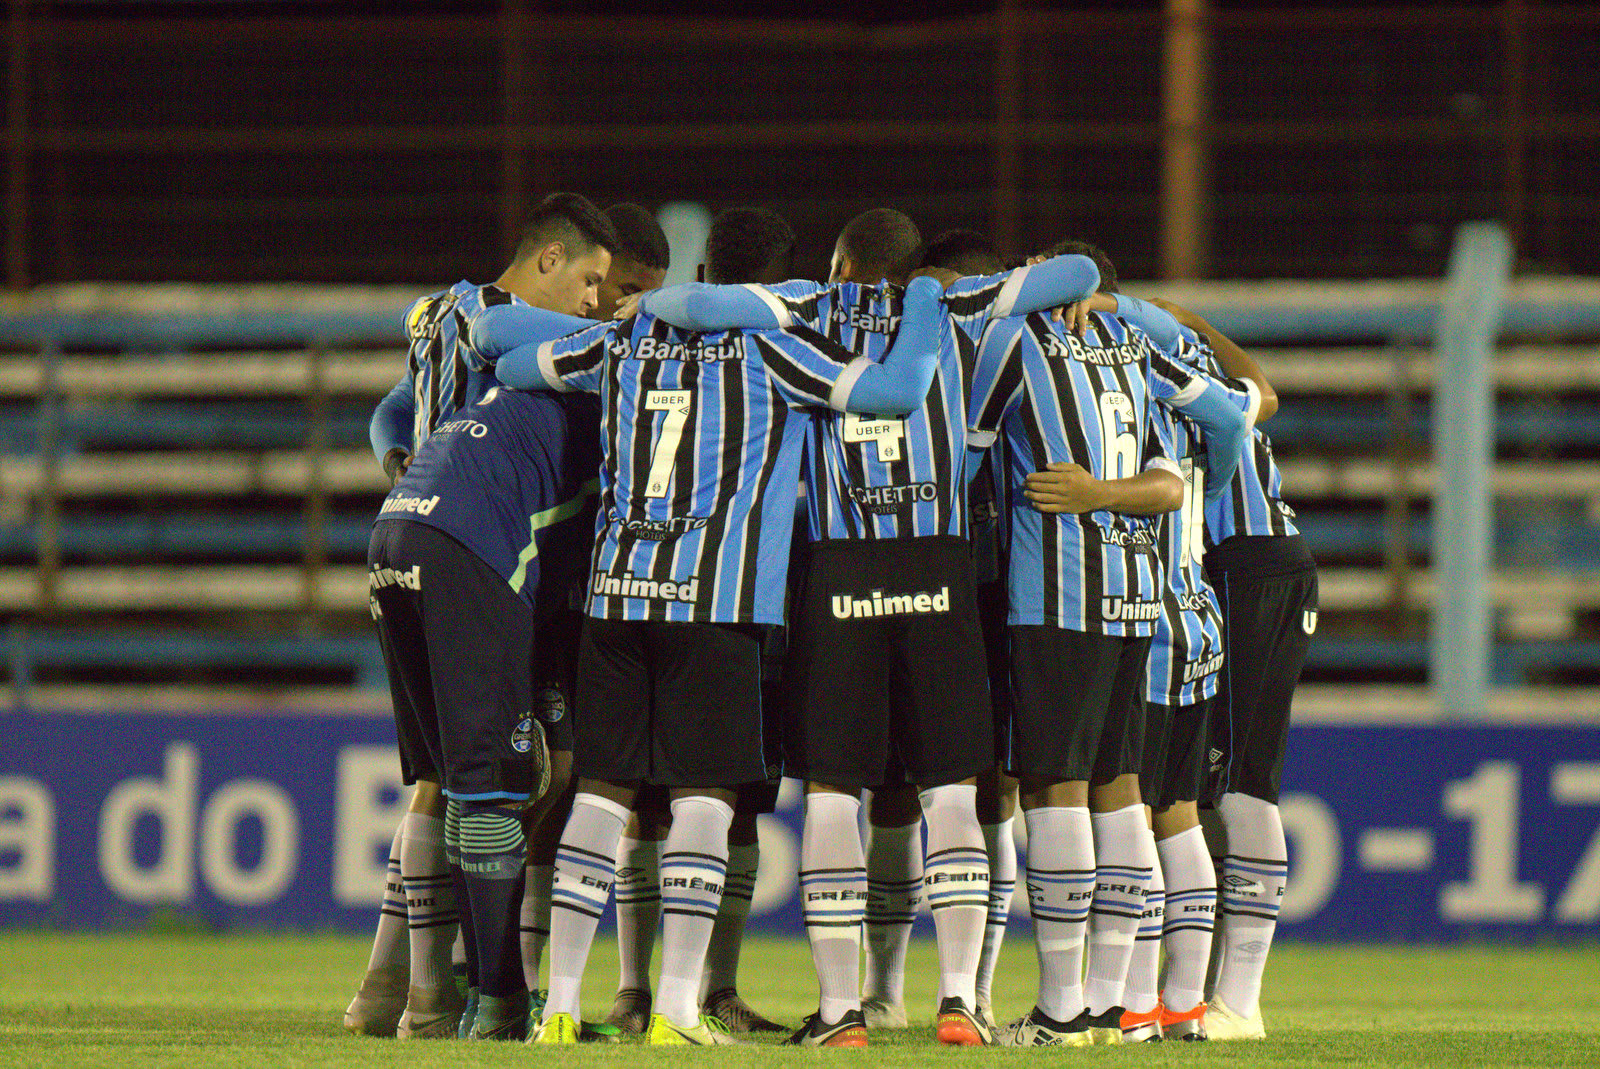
(179, 1001)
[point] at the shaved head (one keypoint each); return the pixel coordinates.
(877, 244)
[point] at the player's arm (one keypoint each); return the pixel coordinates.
(1157, 323)
(1047, 284)
(1066, 487)
(389, 430)
(1236, 363)
(570, 362)
(500, 328)
(704, 307)
(899, 385)
(1223, 413)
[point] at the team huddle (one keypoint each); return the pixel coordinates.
(965, 538)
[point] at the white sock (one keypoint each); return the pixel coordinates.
(1255, 873)
(894, 887)
(833, 896)
(727, 934)
(1060, 879)
(1191, 910)
(955, 878)
(1143, 989)
(538, 883)
(1125, 853)
(585, 867)
(430, 900)
(391, 945)
(694, 864)
(638, 910)
(1002, 850)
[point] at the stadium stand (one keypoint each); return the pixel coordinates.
(185, 485)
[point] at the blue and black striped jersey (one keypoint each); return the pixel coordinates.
(1186, 649)
(448, 372)
(696, 429)
(987, 520)
(873, 477)
(1057, 397)
(1253, 504)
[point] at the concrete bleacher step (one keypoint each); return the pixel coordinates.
(1322, 703)
(354, 471)
(1334, 477)
(202, 588)
(367, 373)
(1526, 368)
(1537, 369)
(346, 471)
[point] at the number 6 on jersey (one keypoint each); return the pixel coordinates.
(1117, 427)
(676, 405)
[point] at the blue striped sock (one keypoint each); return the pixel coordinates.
(833, 896)
(1143, 987)
(1061, 879)
(1125, 855)
(694, 864)
(955, 878)
(1002, 850)
(585, 869)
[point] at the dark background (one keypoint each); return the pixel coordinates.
(372, 142)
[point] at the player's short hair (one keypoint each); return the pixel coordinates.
(642, 239)
(1108, 270)
(748, 245)
(966, 252)
(571, 219)
(882, 238)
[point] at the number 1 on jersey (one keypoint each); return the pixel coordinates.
(676, 405)
(1193, 512)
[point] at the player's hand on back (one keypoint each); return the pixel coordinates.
(1076, 316)
(1064, 487)
(1178, 312)
(628, 307)
(395, 463)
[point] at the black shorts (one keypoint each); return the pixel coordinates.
(1077, 704)
(555, 675)
(994, 604)
(886, 656)
(456, 644)
(1174, 762)
(671, 704)
(1267, 588)
(750, 799)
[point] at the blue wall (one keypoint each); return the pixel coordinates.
(1397, 833)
